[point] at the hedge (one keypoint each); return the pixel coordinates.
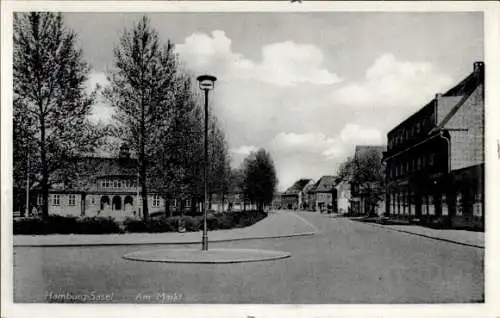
(215, 221)
(56, 224)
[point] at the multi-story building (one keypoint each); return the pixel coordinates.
(326, 194)
(309, 201)
(343, 189)
(293, 197)
(435, 158)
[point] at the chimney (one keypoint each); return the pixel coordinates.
(478, 67)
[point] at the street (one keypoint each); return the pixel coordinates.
(345, 262)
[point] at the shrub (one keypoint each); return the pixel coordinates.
(192, 224)
(98, 225)
(56, 224)
(28, 226)
(53, 224)
(134, 225)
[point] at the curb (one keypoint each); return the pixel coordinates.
(213, 256)
(425, 235)
(167, 243)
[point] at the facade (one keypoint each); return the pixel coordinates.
(106, 187)
(435, 158)
(326, 194)
(293, 197)
(309, 202)
(343, 189)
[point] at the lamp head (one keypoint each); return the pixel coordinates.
(206, 82)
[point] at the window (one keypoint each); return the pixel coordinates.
(419, 163)
(418, 128)
(156, 200)
(71, 199)
(92, 200)
(431, 159)
(39, 199)
(119, 184)
(56, 199)
(115, 183)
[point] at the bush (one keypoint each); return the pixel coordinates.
(56, 224)
(98, 225)
(28, 226)
(192, 224)
(52, 224)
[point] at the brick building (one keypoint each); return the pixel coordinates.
(435, 158)
(104, 187)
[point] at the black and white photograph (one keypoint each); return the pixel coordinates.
(193, 156)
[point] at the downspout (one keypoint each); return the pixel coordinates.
(448, 149)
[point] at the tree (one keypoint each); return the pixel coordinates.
(259, 178)
(366, 171)
(142, 92)
(177, 159)
(51, 102)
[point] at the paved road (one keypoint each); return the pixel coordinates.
(346, 262)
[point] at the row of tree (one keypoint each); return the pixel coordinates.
(156, 112)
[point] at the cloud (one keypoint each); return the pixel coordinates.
(244, 150)
(315, 154)
(393, 83)
(283, 64)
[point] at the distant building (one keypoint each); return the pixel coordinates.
(343, 189)
(326, 194)
(293, 197)
(435, 158)
(105, 187)
(309, 201)
(277, 203)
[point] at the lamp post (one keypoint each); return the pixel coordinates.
(206, 83)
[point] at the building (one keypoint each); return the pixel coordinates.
(293, 197)
(276, 203)
(105, 187)
(343, 189)
(309, 202)
(326, 194)
(435, 158)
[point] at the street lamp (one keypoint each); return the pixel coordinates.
(206, 83)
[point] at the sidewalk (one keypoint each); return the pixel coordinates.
(462, 237)
(276, 225)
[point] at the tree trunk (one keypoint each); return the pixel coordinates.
(222, 201)
(45, 172)
(144, 194)
(167, 207)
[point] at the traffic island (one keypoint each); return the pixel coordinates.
(211, 256)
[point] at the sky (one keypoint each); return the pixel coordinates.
(307, 87)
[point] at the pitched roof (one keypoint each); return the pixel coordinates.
(297, 186)
(464, 88)
(326, 184)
